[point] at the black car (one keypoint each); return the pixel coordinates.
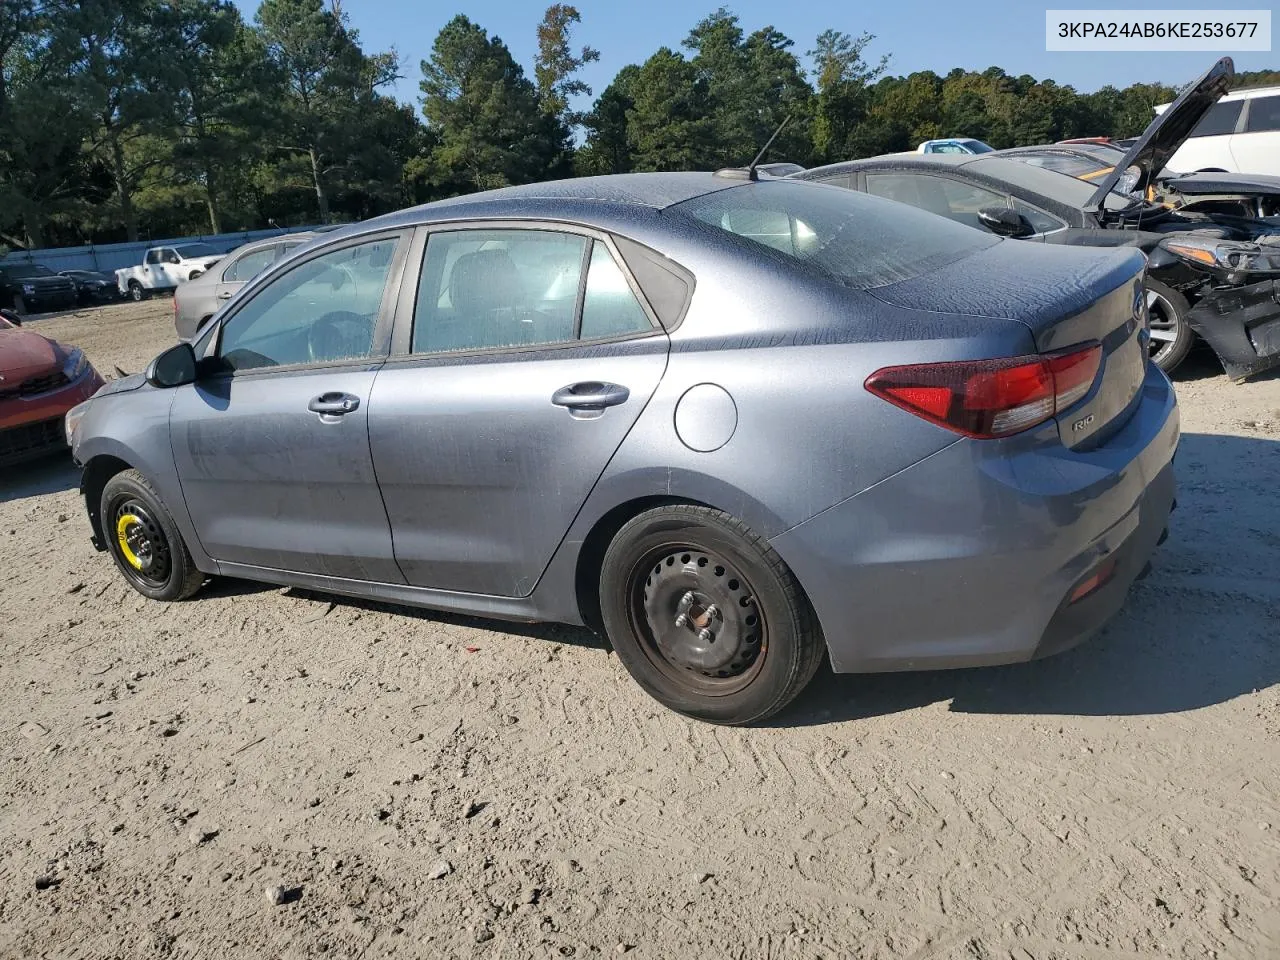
(93, 286)
(1209, 273)
(1205, 191)
(34, 288)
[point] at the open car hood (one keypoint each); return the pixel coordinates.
(1166, 133)
(1250, 184)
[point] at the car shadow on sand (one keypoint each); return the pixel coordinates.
(1202, 629)
(52, 474)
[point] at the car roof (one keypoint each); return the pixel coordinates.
(625, 203)
(1103, 155)
(1047, 183)
(654, 191)
(299, 236)
(1248, 93)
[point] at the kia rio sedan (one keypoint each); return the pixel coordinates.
(736, 425)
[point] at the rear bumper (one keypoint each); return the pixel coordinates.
(969, 557)
(1242, 324)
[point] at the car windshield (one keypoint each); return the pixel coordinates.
(977, 146)
(855, 239)
(20, 270)
(188, 250)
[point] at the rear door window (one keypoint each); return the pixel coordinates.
(941, 195)
(492, 289)
(1219, 120)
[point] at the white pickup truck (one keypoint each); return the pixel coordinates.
(163, 268)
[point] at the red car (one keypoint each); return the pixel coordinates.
(40, 380)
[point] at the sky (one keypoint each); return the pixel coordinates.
(917, 34)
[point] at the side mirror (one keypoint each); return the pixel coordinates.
(173, 368)
(1004, 222)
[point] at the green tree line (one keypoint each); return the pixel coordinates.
(125, 119)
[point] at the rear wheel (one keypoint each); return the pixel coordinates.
(1171, 335)
(195, 273)
(143, 540)
(136, 293)
(706, 617)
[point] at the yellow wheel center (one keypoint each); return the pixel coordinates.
(125, 526)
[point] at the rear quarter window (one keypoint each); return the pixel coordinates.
(1264, 115)
(852, 238)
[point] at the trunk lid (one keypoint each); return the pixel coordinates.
(1068, 297)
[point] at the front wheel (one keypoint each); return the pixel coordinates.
(706, 617)
(144, 541)
(1171, 335)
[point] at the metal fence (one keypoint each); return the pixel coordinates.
(110, 257)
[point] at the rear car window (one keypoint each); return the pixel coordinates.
(1264, 115)
(1219, 120)
(857, 240)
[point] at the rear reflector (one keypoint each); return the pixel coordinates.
(1095, 580)
(990, 398)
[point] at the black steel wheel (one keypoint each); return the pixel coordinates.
(697, 617)
(705, 615)
(143, 540)
(140, 542)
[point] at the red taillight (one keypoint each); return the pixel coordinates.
(990, 398)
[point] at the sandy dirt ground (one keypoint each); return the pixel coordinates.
(436, 786)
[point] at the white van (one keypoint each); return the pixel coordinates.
(1239, 134)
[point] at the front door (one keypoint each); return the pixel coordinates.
(272, 442)
(530, 359)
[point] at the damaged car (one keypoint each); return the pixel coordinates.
(1204, 191)
(1211, 274)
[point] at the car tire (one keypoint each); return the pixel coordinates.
(144, 541)
(661, 577)
(195, 273)
(136, 293)
(1171, 335)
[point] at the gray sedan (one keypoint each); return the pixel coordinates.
(737, 426)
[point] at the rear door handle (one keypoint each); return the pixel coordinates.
(590, 395)
(333, 404)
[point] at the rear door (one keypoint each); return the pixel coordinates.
(1257, 148)
(1208, 146)
(521, 361)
